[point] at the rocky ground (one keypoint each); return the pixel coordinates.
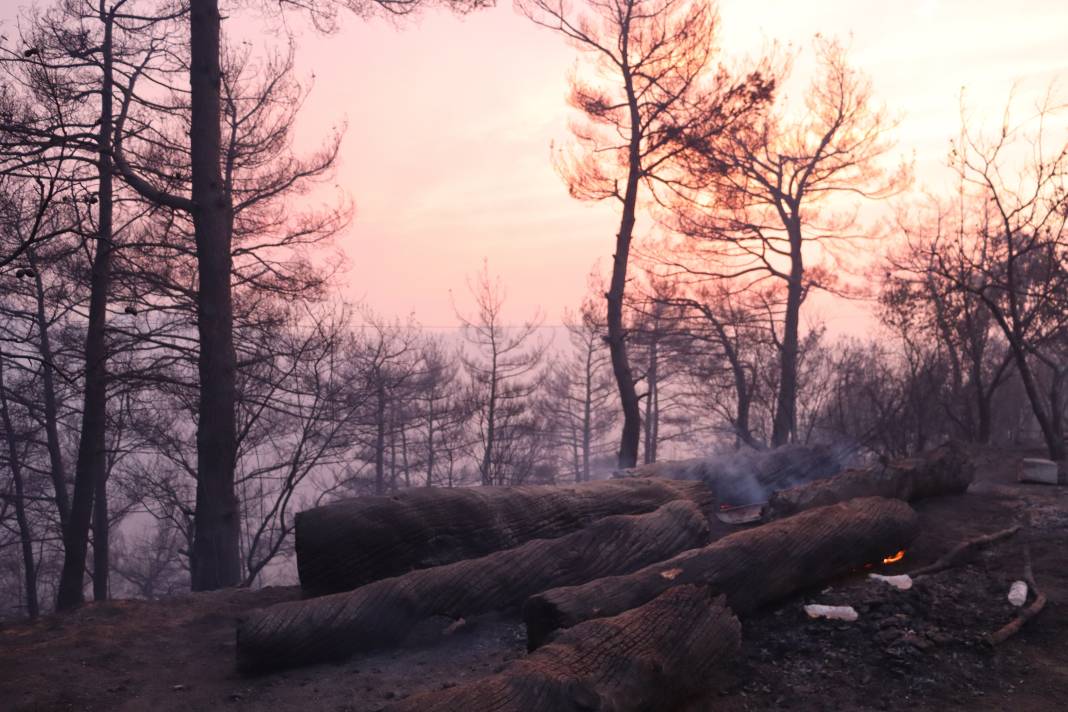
(921, 649)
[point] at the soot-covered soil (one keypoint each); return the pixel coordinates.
(920, 650)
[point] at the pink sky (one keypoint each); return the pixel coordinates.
(450, 121)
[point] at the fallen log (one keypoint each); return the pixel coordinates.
(382, 614)
(347, 544)
(964, 551)
(650, 658)
(943, 471)
(751, 567)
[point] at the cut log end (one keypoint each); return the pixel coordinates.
(656, 656)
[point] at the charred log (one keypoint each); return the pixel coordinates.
(652, 657)
(345, 545)
(384, 613)
(751, 568)
(943, 471)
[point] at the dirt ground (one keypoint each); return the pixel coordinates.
(919, 650)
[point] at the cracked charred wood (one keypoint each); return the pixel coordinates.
(384, 613)
(652, 657)
(943, 471)
(347, 544)
(751, 568)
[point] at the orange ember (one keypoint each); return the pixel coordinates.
(895, 558)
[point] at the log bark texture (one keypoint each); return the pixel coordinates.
(751, 568)
(649, 658)
(382, 614)
(347, 544)
(943, 471)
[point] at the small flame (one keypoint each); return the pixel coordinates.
(895, 558)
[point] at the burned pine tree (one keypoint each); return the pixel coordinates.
(658, 54)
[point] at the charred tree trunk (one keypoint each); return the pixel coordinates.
(751, 568)
(617, 345)
(943, 471)
(101, 286)
(347, 544)
(785, 426)
(90, 472)
(384, 613)
(215, 560)
(655, 657)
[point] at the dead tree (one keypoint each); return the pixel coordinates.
(1006, 247)
(502, 369)
(656, 53)
(758, 220)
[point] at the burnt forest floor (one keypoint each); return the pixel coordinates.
(918, 650)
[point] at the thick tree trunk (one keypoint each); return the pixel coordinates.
(751, 568)
(384, 613)
(943, 471)
(90, 473)
(102, 283)
(630, 436)
(785, 426)
(654, 657)
(101, 541)
(617, 348)
(347, 544)
(215, 560)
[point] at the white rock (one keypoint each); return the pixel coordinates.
(1018, 593)
(902, 582)
(1043, 472)
(836, 613)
